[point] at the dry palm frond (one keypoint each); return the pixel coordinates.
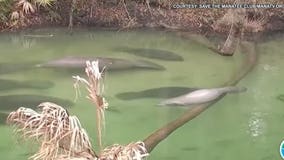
(44, 2)
(95, 88)
(255, 25)
(15, 15)
(27, 6)
(62, 137)
(132, 151)
(58, 133)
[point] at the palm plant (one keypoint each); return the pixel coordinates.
(60, 134)
(14, 12)
(95, 88)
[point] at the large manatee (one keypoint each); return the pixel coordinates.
(14, 84)
(151, 53)
(13, 102)
(109, 63)
(162, 92)
(201, 96)
(15, 67)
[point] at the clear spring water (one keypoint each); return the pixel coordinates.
(240, 126)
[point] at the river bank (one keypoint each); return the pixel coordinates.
(132, 15)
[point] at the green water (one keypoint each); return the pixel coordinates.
(240, 126)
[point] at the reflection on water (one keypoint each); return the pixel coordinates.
(256, 124)
(23, 41)
(268, 67)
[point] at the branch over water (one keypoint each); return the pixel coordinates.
(249, 62)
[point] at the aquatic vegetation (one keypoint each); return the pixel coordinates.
(151, 53)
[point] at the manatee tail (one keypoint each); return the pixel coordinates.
(233, 89)
(164, 103)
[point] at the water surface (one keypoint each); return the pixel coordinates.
(240, 126)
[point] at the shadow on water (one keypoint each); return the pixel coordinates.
(15, 67)
(13, 102)
(151, 53)
(162, 92)
(13, 84)
(3, 117)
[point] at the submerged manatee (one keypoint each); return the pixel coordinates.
(13, 84)
(109, 63)
(13, 102)
(201, 96)
(151, 53)
(162, 92)
(15, 67)
(281, 97)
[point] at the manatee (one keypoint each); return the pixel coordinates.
(14, 84)
(13, 102)
(201, 96)
(281, 97)
(15, 67)
(109, 63)
(162, 92)
(151, 53)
